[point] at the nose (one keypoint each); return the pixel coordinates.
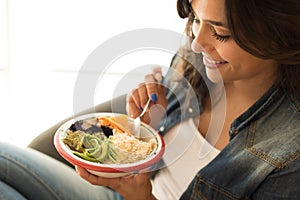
(201, 40)
(196, 47)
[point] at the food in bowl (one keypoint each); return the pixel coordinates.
(103, 139)
(104, 144)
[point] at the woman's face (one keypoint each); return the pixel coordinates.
(221, 55)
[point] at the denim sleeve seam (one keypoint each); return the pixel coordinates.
(214, 187)
(263, 155)
(273, 161)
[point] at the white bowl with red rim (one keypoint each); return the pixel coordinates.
(110, 170)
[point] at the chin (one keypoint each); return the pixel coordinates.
(214, 75)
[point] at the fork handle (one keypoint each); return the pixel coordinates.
(145, 108)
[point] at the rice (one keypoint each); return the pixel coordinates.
(131, 149)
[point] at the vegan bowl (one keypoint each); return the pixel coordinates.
(104, 144)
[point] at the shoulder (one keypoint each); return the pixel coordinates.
(275, 137)
(275, 140)
(281, 183)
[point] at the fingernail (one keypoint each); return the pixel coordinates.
(158, 77)
(153, 97)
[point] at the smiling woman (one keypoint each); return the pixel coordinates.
(230, 122)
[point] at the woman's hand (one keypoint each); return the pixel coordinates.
(137, 186)
(151, 88)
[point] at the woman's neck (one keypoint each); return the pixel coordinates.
(243, 94)
(225, 104)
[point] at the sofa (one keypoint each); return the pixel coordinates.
(44, 141)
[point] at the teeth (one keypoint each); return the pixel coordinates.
(214, 62)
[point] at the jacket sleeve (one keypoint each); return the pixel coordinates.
(281, 183)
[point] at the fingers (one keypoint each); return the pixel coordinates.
(140, 95)
(153, 84)
(137, 100)
(96, 180)
(132, 108)
(83, 173)
(126, 186)
(151, 88)
(157, 73)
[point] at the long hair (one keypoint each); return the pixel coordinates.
(267, 29)
(193, 74)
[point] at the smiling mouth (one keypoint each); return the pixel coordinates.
(212, 63)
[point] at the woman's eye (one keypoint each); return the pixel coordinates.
(221, 38)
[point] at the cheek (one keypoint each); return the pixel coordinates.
(231, 53)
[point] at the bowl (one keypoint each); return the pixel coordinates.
(110, 170)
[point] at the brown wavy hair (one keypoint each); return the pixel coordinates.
(268, 29)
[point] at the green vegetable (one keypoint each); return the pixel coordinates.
(74, 140)
(84, 156)
(105, 150)
(113, 155)
(91, 147)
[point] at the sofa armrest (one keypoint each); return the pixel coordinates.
(44, 141)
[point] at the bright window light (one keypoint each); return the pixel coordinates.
(4, 50)
(60, 34)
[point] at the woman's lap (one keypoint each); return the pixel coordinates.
(7, 192)
(37, 176)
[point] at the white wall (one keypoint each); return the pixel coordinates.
(60, 34)
(45, 42)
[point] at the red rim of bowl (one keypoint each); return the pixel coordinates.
(114, 168)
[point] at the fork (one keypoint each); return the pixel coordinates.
(137, 120)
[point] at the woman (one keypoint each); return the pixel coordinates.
(254, 47)
(249, 48)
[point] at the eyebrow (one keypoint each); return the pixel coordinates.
(215, 23)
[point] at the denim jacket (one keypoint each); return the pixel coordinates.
(262, 159)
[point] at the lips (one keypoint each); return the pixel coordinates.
(212, 63)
